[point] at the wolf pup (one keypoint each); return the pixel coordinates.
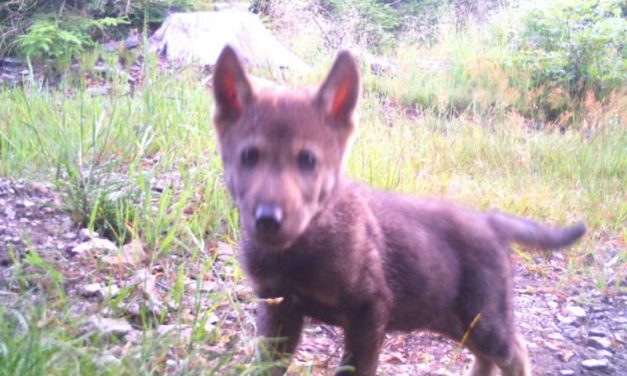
(315, 244)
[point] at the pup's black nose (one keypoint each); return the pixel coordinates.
(268, 218)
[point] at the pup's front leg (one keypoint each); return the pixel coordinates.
(363, 338)
(278, 331)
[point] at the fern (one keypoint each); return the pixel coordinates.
(61, 40)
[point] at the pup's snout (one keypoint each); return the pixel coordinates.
(268, 218)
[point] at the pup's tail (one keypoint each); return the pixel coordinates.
(527, 232)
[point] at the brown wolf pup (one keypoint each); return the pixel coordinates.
(315, 244)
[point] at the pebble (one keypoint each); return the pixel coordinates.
(108, 326)
(599, 343)
(566, 372)
(170, 363)
(91, 289)
(165, 329)
(131, 254)
(565, 356)
(597, 331)
(595, 363)
(95, 289)
(10, 213)
(572, 333)
(111, 290)
(551, 345)
(108, 360)
(211, 323)
(569, 320)
(134, 337)
(556, 336)
(87, 234)
(69, 235)
(96, 245)
(27, 204)
(576, 311)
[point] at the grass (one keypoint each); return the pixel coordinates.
(144, 166)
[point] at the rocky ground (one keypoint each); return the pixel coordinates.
(571, 329)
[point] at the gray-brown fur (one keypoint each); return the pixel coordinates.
(352, 256)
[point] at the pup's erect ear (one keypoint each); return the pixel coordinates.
(231, 88)
(339, 92)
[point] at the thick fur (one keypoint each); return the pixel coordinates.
(349, 255)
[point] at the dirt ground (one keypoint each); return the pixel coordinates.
(571, 329)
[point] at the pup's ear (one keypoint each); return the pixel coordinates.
(231, 88)
(339, 92)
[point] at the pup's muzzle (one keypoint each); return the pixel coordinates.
(268, 218)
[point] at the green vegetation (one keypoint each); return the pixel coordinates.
(550, 62)
(524, 112)
(63, 30)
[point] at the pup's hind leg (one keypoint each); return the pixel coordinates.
(482, 367)
(518, 364)
(511, 358)
(496, 343)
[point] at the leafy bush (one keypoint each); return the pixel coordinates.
(62, 29)
(377, 24)
(61, 40)
(573, 46)
(555, 62)
(370, 22)
(143, 11)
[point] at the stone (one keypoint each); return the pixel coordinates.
(96, 245)
(568, 320)
(108, 326)
(109, 291)
(200, 36)
(595, 364)
(566, 372)
(565, 356)
(108, 360)
(572, 333)
(211, 323)
(86, 234)
(147, 284)
(131, 254)
(91, 289)
(27, 203)
(134, 337)
(69, 235)
(576, 311)
(165, 329)
(556, 336)
(552, 345)
(599, 343)
(10, 213)
(598, 331)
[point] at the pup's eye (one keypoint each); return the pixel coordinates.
(250, 156)
(306, 160)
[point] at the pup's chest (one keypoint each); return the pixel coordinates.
(316, 293)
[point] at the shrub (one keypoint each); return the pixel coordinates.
(573, 47)
(62, 29)
(369, 22)
(378, 24)
(61, 40)
(548, 62)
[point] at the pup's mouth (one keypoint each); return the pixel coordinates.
(274, 242)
